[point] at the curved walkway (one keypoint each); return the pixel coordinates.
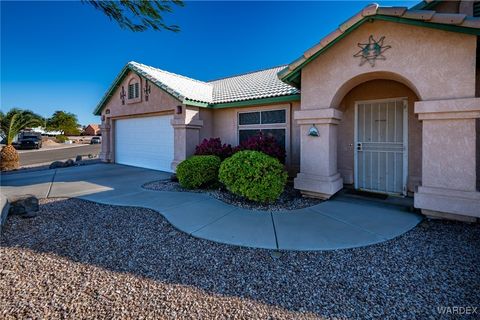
(333, 224)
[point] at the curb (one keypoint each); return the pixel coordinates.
(5, 206)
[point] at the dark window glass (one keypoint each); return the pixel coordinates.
(131, 92)
(137, 90)
(278, 134)
(275, 116)
(245, 134)
(249, 118)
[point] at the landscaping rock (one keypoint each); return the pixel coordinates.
(23, 205)
(4, 207)
(56, 164)
(78, 158)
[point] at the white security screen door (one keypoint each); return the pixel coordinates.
(381, 145)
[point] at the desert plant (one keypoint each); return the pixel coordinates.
(11, 123)
(198, 171)
(265, 144)
(253, 175)
(214, 146)
(61, 138)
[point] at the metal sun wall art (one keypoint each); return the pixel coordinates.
(371, 51)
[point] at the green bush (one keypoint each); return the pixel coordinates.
(253, 175)
(198, 171)
(61, 138)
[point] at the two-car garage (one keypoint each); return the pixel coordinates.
(145, 142)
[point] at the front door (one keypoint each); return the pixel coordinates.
(381, 145)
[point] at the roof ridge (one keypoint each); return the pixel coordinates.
(245, 73)
(168, 72)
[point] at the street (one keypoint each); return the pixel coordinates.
(28, 158)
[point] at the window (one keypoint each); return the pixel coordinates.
(133, 89)
(271, 123)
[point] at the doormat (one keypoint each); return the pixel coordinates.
(367, 194)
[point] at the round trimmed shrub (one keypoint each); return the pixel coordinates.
(253, 175)
(198, 171)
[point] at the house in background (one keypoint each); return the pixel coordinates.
(388, 103)
(91, 130)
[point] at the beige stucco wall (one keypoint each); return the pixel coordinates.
(159, 102)
(435, 64)
(371, 90)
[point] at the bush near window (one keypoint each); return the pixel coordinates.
(61, 138)
(265, 144)
(198, 171)
(214, 146)
(253, 175)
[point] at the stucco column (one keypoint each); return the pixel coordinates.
(186, 126)
(105, 151)
(319, 174)
(449, 158)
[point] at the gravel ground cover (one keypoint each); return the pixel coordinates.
(290, 199)
(79, 260)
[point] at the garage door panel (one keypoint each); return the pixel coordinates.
(145, 142)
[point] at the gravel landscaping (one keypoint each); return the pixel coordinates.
(79, 259)
(290, 199)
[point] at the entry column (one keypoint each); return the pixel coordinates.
(319, 176)
(186, 124)
(449, 167)
(105, 147)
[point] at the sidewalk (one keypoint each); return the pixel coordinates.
(334, 224)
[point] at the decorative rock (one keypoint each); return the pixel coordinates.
(78, 158)
(21, 205)
(56, 164)
(173, 178)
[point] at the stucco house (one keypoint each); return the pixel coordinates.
(388, 103)
(91, 130)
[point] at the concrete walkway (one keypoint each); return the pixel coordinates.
(334, 224)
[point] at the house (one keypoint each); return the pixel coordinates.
(388, 103)
(91, 130)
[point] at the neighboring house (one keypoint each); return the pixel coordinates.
(91, 130)
(387, 103)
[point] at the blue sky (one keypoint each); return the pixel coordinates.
(64, 55)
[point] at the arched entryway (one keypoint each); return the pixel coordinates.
(379, 138)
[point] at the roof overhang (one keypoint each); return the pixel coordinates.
(423, 18)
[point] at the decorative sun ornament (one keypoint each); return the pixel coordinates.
(371, 51)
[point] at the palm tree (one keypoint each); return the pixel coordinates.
(11, 123)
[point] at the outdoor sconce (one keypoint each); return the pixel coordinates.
(107, 111)
(313, 131)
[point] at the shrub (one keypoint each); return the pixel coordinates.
(214, 146)
(265, 144)
(198, 171)
(253, 175)
(61, 138)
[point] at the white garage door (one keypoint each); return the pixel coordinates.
(145, 142)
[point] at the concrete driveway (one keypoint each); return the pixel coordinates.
(334, 224)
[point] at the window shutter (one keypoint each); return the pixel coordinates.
(137, 90)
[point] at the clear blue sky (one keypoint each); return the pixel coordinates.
(64, 55)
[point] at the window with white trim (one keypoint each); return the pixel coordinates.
(272, 123)
(133, 90)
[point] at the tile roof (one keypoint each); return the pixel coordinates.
(455, 21)
(179, 86)
(248, 86)
(252, 85)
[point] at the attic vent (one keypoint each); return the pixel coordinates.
(476, 9)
